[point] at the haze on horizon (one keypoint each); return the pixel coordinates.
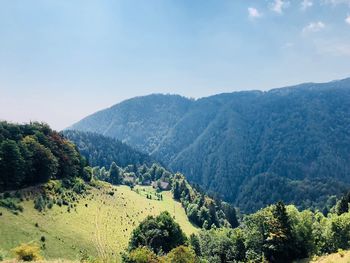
(61, 60)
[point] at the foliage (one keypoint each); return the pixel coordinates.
(28, 252)
(222, 245)
(276, 234)
(201, 209)
(181, 254)
(33, 153)
(115, 174)
(141, 255)
(343, 204)
(159, 233)
(11, 204)
(102, 151)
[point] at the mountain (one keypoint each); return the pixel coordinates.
(251, 148)
(101, 151)
(142, 122)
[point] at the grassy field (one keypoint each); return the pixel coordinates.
(339, 257)
(99, 226)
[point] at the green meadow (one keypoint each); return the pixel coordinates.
(99, 226)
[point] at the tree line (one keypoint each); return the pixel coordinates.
(33, 153)
(276, 233)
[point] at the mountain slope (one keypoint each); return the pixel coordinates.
(291, 143)
(99, 225)
(141, 122)
(101, 151)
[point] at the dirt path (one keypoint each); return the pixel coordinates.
(99, 245)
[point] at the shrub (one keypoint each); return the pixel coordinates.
(181, 254)
(11, 204)
(50, 205)
(341, 252)
(27, 252)
(42, 239)
(2, 255)
(39, 203)
(141, 255)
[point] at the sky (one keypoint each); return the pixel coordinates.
(61, 60)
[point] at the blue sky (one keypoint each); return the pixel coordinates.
(61, 60)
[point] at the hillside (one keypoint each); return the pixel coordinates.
(101, 151)
(292, 144)
(141, 122)
(99, 226)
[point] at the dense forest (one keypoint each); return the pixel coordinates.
(276, 233)
(102, 151)
(33, 153)
(292, 144)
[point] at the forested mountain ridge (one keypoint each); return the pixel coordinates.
(101, 151)
(253, 148)
(142, 122)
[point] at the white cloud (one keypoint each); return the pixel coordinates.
(305, 4)
(278, 6)
(347, 19)
(253, 12)
(314, 27)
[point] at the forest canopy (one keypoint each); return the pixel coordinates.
(33, 153)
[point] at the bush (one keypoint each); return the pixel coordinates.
(28, 252)
(11, 204)
(2, 255)
(141, 255)
(39, 203)
(181, 254)
(50, 205)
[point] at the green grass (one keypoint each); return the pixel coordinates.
(102, 229)
(147, 190)
(338, 257)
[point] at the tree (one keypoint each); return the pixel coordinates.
(192, 213)
(141, 255)
(181, 254)
(230, 213)
(87, 173)
(176, 191)
(222, 245)
(159, 233)
(44, 164)
(343, 204)
(11, 165)
(114, 174)
(194, 242)
(280, 243)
